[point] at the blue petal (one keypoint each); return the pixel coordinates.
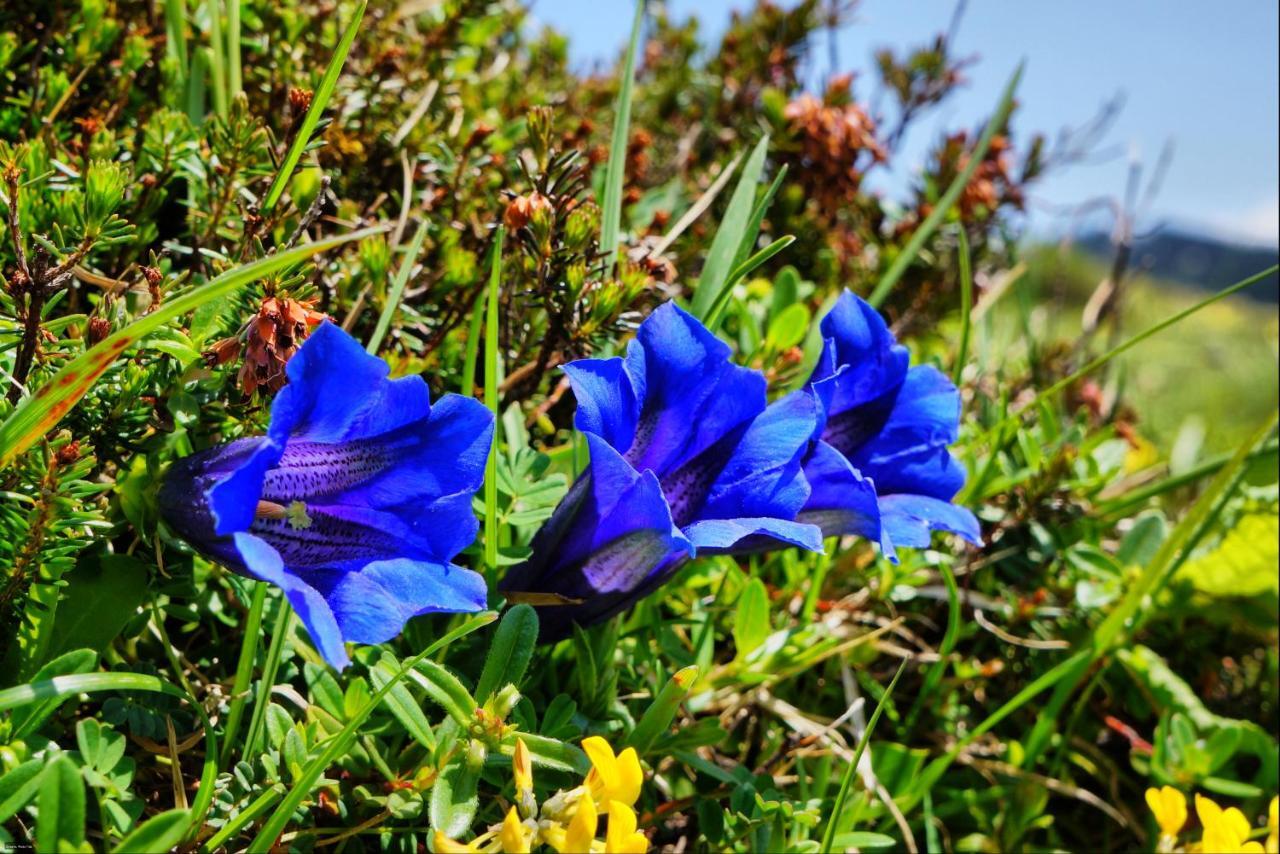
(841, 500)
(909, 519)
(233, 501)
(763, 475)
(867, 361)
(610, 540)
(728, 535)
(337, 392)
(606, 401)
(264, 562)
(910, 455)
(691, 396)
(373, 604)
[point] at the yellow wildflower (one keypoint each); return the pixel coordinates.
(514, 835)
(1273, 827)
(1225, 831)
(1169, 806)
(621, 837)
(522, 766)
(582, 828)
(445, 845)
(612, 778)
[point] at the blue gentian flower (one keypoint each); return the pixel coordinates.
(354, 503)
(880, 467)
(686, 458)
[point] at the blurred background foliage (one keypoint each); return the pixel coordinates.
(1118, 630)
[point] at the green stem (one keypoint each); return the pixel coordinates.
(244, 670)
(966, 304)
(270, 667)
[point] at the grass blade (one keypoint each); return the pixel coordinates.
(611, 209)
(217, 59)
(491, 381)
(949, 198)
(744, 269)
(175, 37)
(397, 289)
(340, 742)
(699, 207)
(244, 669)
(657, 718)
(966, 305)
(235, 81)
(471, 354)
(319, 101)
(1106, 357)
(38, 414)
(729, 237)
(846, 782)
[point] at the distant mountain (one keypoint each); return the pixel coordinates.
(1196, 260)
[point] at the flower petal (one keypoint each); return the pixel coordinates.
(610, 540)
(841, 501)
(264, 563)
(691, 396)
(373, 604)
(868, 363)
(582, 827)
(907, 520)
(337, 392)
(763, 475)
(606, 401)
(726, 535)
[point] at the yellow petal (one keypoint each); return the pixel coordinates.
(582, 828)
(514, 837)
(604, 765)
(1169, 807)
(1208, 811)
(445, 845)
(1273, 815)
(1251, 848)
(630, 777)
(622, 825)
(522, 766)
(1234, 823)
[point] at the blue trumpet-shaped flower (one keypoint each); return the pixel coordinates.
(686, 458)
(880, 467)
(354, 503)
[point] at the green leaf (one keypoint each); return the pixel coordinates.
(18, 786)
(103, 593)
(397, 289)
(510, 652)
(37, 414)
(61, 822)
(1243, 564)
(319, 101)
(400, 702)
(611, 206)
(861, 839)
(491, 383)
(751, 621)
(662, 711)
(730, 235)
(160, 833)
(788, 327)
(550, 753)
(445, 690)
(453, 797)
(28, 720)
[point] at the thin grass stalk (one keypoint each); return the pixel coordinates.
(244, 670)
(611, 207)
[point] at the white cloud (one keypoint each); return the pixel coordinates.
(1258, 224)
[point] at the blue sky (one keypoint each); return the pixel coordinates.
(1201, 75)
